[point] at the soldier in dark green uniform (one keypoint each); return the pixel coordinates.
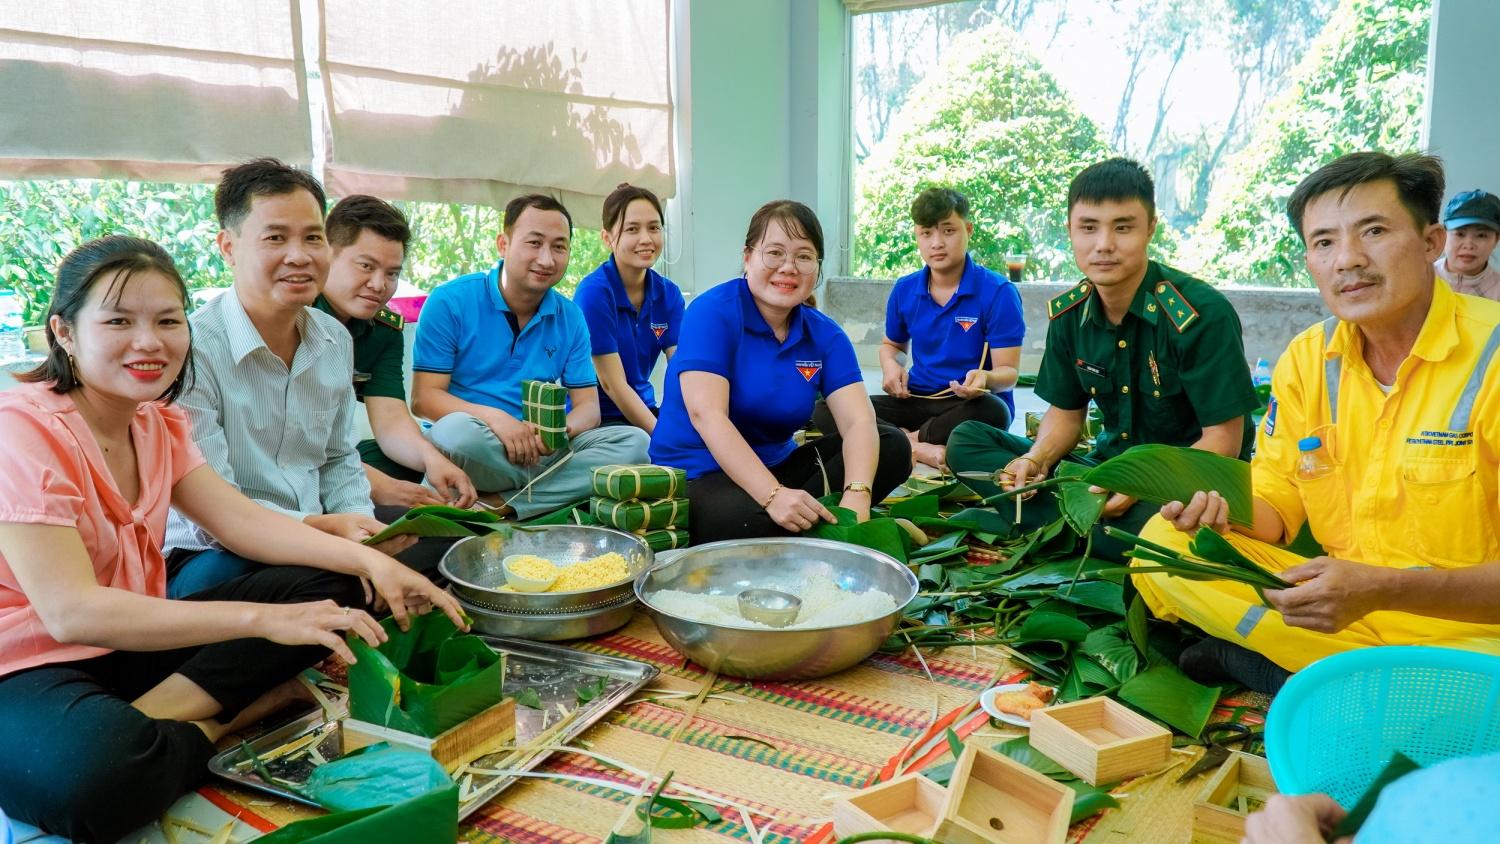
(369, 239)
(1159, 352)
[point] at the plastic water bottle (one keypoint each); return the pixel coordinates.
(1261, 374)
(11, 345)
(1313, 462)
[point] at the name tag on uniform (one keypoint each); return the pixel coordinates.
(1096, 371)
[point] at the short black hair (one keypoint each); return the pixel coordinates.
(1418, 179)
(239, 186)
(539, 201)
(1114, 180)
(354, 214)
(117, 258)
(934, 205)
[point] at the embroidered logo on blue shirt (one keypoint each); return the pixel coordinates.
(966, 322)
(551, 350)
(658, 328)
(1271, 416)
(809, 368)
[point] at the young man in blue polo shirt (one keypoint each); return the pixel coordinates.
(482, 334)
(963, 324)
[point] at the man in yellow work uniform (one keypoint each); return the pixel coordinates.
(1401, 389)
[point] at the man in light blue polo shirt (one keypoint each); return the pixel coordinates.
(482, 334)
(963, 324)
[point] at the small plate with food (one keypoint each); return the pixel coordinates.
(1013, 703)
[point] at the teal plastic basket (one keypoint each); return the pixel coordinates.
(1335, 724)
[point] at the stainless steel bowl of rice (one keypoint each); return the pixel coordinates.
(852, 598)
(475, 571)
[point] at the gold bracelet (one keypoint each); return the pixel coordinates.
(771, 497)
(858, 487)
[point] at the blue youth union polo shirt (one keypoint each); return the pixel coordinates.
(464, 332)
(638, 337)
(772, 384)
(947, 340)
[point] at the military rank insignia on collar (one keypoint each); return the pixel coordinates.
(1067, 301)
(1175, 306)
(390, 319)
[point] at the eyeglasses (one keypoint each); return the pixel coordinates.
(774, 258)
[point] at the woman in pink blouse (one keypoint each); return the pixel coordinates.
(112, 696)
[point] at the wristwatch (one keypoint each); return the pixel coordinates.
(857, 487)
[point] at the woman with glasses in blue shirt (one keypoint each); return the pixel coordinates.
(751, 362)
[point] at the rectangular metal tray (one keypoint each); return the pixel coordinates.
(555, 673)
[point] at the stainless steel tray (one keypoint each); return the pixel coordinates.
(554, 672)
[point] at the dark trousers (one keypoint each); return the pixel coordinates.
(721, 510)
(932, 419)
(976, 447)
(81, 762)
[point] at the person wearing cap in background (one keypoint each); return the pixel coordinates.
(1472, 219)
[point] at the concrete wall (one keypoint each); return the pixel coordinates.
(1463, 123)
(762, 105)
(1270, 316)
(763, 114)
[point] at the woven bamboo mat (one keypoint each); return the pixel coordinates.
(783, 751)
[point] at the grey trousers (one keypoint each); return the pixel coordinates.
(474, 448)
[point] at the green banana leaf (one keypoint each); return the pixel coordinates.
(373, 776)
(943, 488)
(1163, 473)
(429, 819)
(1209, 545)
(1168, 695)
(1112, 648)
(423, 524)
(1043, 626)
(1053, 573)
(1135, 622)
(881, 534)
(1085, 678)
(1095, 594)
(917, 506)
(1399, 766)
(1080, 507)
(423, 681)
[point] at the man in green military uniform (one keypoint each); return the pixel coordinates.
(1159, 352)
(369, 239)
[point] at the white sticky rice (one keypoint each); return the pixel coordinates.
(824, 604)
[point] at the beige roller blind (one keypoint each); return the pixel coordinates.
(475, 100)
(168, 90)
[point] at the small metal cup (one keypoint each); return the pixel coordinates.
(770, 607)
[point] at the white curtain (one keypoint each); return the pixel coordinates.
(476, 100)
(167, 90)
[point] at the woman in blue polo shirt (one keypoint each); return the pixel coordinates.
(634, 313)
(752, 361)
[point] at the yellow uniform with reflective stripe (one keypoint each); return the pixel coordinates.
(1416, 480)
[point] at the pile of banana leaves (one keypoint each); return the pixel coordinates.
(1075, 621)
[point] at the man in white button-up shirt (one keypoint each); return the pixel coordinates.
(271, 401)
